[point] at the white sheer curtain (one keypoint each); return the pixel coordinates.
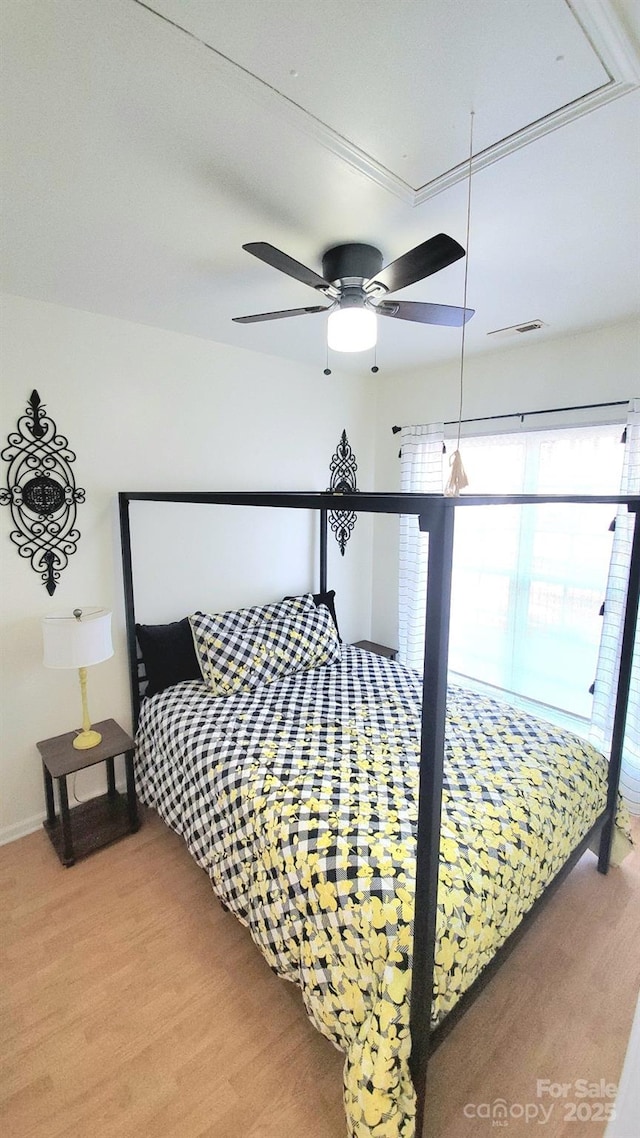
(609, 655)
(528, 581)
(420, 473)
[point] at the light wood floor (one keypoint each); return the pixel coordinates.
(133, 1005)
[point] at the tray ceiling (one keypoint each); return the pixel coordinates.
(144, 142)
(390, 86)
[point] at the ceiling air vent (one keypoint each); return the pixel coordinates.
(518, 329)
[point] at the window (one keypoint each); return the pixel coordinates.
(528, 582)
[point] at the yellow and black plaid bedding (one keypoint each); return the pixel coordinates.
(300, 801)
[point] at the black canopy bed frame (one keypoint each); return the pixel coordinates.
(435, 515)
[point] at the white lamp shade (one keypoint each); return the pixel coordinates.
(352, 329)
(72, 642)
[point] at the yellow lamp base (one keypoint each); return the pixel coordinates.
(86, 739)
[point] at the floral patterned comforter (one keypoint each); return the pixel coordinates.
(299, 799)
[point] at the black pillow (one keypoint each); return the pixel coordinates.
(168, 653)
(328, 599)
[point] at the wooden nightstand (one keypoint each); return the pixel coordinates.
(378, 649)
(99, 821)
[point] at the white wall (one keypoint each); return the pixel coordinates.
(148, 409)
(596, 366)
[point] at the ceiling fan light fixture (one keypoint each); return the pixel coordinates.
(352, 329)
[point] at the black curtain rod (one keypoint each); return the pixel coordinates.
(524, 414)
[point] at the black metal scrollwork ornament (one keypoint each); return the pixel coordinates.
(42, 493)
(343, 481)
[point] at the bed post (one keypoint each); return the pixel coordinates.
(130, 616)
(323, 550)
(438, 522)
(622, 694)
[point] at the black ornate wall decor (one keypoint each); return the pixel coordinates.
(42, 493)
(343, 481)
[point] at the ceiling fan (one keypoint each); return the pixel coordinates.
(355, 283)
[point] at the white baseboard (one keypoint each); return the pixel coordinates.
(20, 829)
(30, 825)
(628, 1100)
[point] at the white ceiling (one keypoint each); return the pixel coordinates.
(144, 143)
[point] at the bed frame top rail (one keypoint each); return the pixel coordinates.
(365, 502)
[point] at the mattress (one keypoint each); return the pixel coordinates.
(299, 799)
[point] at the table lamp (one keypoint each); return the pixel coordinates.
(78, 641)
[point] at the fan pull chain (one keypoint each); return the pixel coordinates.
(327, 370)
(458, 478)
(375, 369)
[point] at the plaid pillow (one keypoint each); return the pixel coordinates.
(240, 650)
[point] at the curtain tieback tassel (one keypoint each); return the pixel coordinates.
(457, 478)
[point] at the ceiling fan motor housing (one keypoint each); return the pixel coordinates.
(355, 261)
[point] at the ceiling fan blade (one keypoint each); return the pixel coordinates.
(430, 257)
(424, 313)
(279, 315)
(279, 260)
